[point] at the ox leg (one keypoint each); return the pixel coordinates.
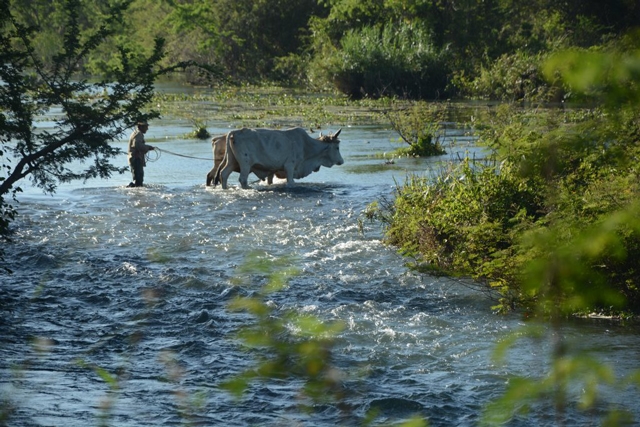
(270, 179)
(289, 171)
(224, 176)
(217, 174)
(217, 167)
(228, 165)
(244, 179)
(211, 176)
(223, 172)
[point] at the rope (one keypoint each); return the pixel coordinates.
(158, 150)
(148, 157)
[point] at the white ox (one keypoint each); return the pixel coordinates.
(219, 147)
(291, 153)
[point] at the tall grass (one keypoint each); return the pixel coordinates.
(397, 60)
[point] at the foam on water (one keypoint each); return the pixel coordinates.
(137, 282)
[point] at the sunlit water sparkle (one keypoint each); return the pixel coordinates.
(98, 264)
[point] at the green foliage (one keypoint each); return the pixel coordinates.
(199, 130)
(286, 344)
(490, 44)
(558, 174)
(419, 125)
(396, 60)
(92, 114)
(88, 116)
(411, 48)
(290, 70)
(611, 76)
(581, 272)
(465, 223)
(511, 77)
(536, 27)
(552, 225)
(558, 177)
(568, 277)
(249, 40)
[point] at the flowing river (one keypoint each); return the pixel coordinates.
(117, 310)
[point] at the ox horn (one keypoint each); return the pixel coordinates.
(335, 135)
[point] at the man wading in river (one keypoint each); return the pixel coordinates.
(137, 150)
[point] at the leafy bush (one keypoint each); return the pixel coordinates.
(419, 125)
(585, 254)
(558, 174)
(464, 223)
(397, 60)
(199, 129)
(511, 77)
(289, 70)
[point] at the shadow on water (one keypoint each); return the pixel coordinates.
(373, 168)
(304, 189)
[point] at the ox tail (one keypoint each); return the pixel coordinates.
(216, 179)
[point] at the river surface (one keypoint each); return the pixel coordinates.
(117, 311)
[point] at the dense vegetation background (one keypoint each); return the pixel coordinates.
(410, 48)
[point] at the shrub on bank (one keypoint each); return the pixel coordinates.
(558, 174)
(420, 126)
(511, 77)
(397, 60)
(465, 222)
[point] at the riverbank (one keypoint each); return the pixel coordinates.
(477, 224)
(413, 344)
(547, 221)
(118, 311)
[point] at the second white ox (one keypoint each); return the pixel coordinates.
(291, 151)
(218, 144)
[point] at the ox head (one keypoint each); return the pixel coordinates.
(333, 149)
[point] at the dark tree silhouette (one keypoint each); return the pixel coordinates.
(87, 116)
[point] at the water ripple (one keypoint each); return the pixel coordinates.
(137, 283)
